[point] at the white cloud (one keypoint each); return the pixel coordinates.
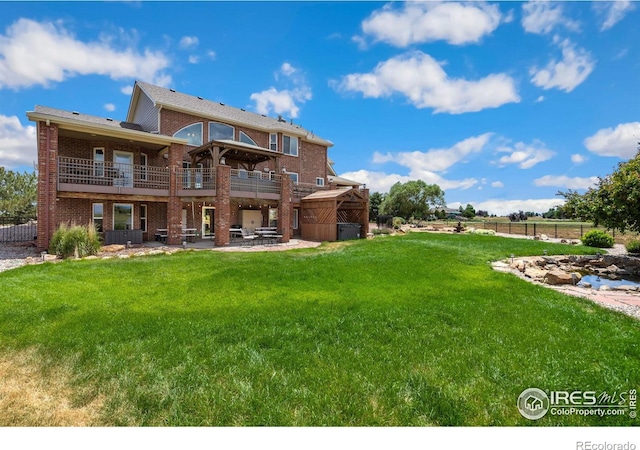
(425, 84)
(540, 99)
(424, 165)
(439, 159)
(189, 41)
(541, 17)
(194, 59)
(110, 107)
(287, 69)
(211, 54)
(566, 182)
(497, 184)
(567, 74)
(621, 141)
(17, 143)
(577, 158)
(284, 101)
(525, 156)
(54, 55)
(502, 207)
(612, 12)
(419, 22)
(127, 90)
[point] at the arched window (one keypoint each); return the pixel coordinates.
(244, 137)
(192, 133)
(220, 131)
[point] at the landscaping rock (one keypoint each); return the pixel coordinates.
(112, 248)
(556, 277)
(535, 274)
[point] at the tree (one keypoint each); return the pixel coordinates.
(469, 212)
(18, 194)
(412, 199)
(613, 203)
(375, 200)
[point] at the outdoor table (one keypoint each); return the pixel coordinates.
(161, 234)
(189, 234)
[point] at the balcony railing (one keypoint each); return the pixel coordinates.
(196, 179)
(105, 173)
(255, 182)
(301, 190)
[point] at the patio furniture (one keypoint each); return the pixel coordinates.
(161, 235)
(247, 238)
(189, 234)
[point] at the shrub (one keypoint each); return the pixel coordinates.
(380, 231)
(597, 238)
(633, 246)
(397, 222)
(75, 240)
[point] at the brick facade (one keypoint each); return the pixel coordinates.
(162, 210)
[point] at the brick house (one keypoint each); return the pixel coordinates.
(182, 163)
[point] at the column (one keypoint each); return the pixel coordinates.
(47, 183)
(174, 207)
(285, 208)
(222, 215)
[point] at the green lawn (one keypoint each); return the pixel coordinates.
(411, 330)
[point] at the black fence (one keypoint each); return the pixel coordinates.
(17, 229)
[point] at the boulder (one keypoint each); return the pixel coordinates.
(535, 274)
(556, 277)
(112, 248)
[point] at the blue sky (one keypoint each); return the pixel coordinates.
(501, 104)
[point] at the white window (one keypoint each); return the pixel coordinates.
(122, 216)
(290, 145)
(296, 216)
(219, 131)
(319, 181)
(273, 142)
(244, 137)
(192, 133)
(143, 217)
(98, 162)
(294, 177)
(98, 216)
(143, 166)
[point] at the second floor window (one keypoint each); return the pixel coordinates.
(220, 131)
(273, 142)
(192, 133)
(290, 145)
(244, 137)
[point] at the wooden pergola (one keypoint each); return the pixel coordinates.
(235, 153)
(322, 211)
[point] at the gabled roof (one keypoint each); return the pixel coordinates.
(170, 99)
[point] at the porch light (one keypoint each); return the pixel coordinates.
(223, 161)
(284, 170)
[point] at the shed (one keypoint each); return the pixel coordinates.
(324, 211)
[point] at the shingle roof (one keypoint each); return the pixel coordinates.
(331, 193)
(86, 118)
(215, 110)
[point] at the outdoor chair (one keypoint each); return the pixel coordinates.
(247, 238)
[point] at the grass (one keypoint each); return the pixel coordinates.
(398, 331)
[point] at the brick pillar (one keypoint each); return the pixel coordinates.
(222, 215)
(174, 207)
(285, 208)
(365, 217)
(47, 183)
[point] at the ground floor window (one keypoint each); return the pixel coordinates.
(98, 216)
(296, 215)
(122, 216)
(143, 217)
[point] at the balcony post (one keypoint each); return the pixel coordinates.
(174, 207)
(284, 208)
(222, 215)
(47, 182)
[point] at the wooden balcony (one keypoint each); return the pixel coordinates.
(255, 185)
(104, 177)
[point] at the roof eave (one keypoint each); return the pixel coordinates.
(78, 125)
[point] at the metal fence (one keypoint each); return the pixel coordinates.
(558, 230)
(16, 229)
